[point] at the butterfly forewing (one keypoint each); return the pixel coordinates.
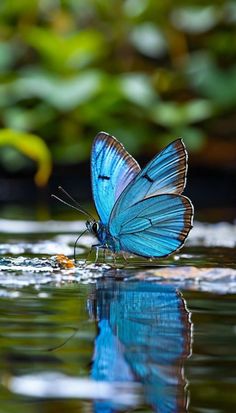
(153, 227)
(112, 169)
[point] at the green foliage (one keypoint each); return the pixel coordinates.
(31, 146)
(218, 85)
(143, 70)
(65, 53)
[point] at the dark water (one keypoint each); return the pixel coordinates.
(143, 337)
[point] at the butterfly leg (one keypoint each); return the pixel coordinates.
(96, 246)
(97, 253)
(86, 259)
(124, 257)
(76, 242)
(114, 259)
(104, 255)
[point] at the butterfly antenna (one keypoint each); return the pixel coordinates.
(72, 206)
(75, 202)
(64, 342)
(76, 242)
(65, 203)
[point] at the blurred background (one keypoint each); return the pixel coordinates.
(146, 71)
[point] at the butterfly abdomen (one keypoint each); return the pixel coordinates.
(105, 238)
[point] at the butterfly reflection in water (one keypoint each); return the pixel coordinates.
(144, 337)
(141, 212)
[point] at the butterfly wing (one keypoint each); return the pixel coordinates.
(164, 174)
(154, 227)
(112, 169)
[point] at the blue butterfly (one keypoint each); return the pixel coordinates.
(141, 212)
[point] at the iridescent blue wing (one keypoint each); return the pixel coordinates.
(152, 323)
(164, 174)
(154, 227)
(109, 365)
(112, 169)
(144, 336)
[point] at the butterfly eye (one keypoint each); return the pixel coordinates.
(95, 227)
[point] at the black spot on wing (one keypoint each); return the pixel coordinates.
(104, 177)
(148, 178)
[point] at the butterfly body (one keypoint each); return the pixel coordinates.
(142, 212)
(103, 235)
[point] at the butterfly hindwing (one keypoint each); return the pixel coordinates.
(112, 169)
(153, 227)
(164, 174)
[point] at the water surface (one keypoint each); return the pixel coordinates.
(144, 336)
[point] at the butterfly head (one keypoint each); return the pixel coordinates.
(93, 226)
(100, 231)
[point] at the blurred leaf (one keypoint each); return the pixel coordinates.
(31, 146)
(132, 136)
(223, 43)
(149, 40)
(134, 8)
(15, 7)
(214, 83)
(137, 88)
(197, 110)
(194, 138)
(73, 153)
(230, 11)
(171, 114)
(104, 106)
(63, 94)
(27, 119)
(71, 51)
(7, 56)
(195, 19)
